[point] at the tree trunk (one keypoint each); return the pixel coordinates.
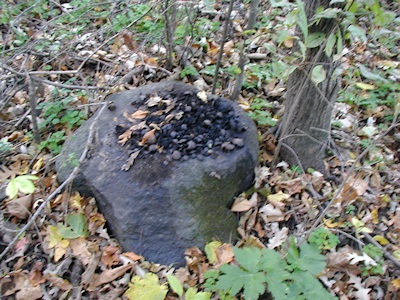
(307, 118)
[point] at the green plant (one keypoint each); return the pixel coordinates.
(188, 70)
(76, 227)
(53, 142)
(260, 114)
(5, 146)
(349, 209)
(60, 113)
(377, 255)
(324, 239)
(190, 294)
(22, 183)
(259, 270)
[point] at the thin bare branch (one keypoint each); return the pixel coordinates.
(69, 180)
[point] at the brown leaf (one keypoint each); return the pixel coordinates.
(13, 282)
(242, 204)
(123, 138)
(6, 172)
(140, 114)
(133, 256)
(271, 214)
(294, 186)
(147, 136)
(182, 274)
(59, 282)
(108, 276)
(193, 257)
(79, 248)
(20, 207)
(128, 41)
(110, 256)
(130, 161)
(88, 275)
(35, 274)
(29, 292)
(353, 189)
(224, 254)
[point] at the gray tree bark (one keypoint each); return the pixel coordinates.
(305, 131)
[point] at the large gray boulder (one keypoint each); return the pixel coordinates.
(197, 154)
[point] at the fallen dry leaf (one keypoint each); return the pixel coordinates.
(35, 274)
(123, 138)
(224, 254)
(108, 276)
(79, 248)
(154, 101)
(140, 114)
(20, 207)
(242, 204)
(278, 197)
(133, 256)
(130, 161)
(13, 282)
(291, 187)
(147, 136)
(59, 282)
(110, 256)
(88, 275)
(29, 292)
(353, 189)
(278, 238)
(271, 214)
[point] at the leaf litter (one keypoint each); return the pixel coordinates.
(53, 263)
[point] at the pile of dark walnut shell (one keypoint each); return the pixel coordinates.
(181, 126)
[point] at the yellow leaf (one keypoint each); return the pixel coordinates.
(54, 236)
(146, 288)
(76, 201)
(396, 254)
(381, 240)
(359, 225)
(330, 224)
(375, 216)
(365, 86)
(278, 197)
(38, 165)
(60, 250)
(57, 242)
(210, 249)
(396, 283)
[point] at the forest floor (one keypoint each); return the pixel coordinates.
(68, 57)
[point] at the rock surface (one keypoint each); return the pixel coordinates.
(165, 180)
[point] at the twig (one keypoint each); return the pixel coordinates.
(67, 86)
(113, 37)
(61, 85)
(60, 188)
(385, 253)
(32, 102)
(242, 59)
(221, 48)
